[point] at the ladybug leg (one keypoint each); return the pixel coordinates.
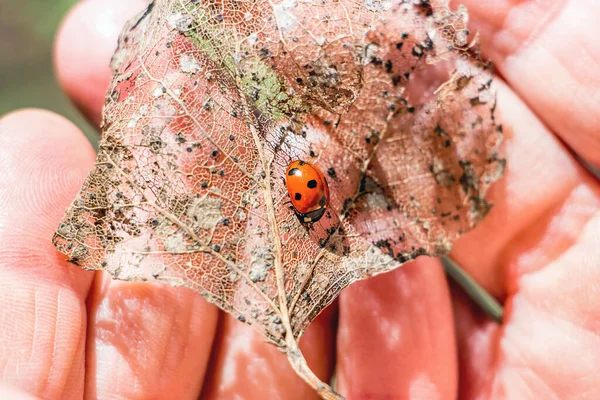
(283, 200)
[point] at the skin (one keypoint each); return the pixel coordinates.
(67, 333)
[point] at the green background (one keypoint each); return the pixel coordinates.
(27, 79)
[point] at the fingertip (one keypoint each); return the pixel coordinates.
(147, 340)
(34, 122)
(44, 159)
(241, 357)
(395, 337)
(84, 46)
(33, 139)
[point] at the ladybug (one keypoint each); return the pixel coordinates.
(308, 190)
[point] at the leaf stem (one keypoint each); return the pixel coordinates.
(479, 295)
(291, 348)
(299, 364)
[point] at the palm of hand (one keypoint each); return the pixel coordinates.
(396, 334)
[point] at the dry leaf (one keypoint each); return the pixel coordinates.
(211, 100)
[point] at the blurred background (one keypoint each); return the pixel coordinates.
(27, 30)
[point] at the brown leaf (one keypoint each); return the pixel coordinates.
(209, 103)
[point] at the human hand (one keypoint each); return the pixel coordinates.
(65, 332)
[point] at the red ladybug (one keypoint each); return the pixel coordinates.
(308, 190)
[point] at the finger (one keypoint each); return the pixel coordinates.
(396, 336)
(540, 174)
(147, 341)
(549, 53)
(536, 249)
(245, 366)
(476, 338)
(7, 392)
(548, 346)
(43, 159)
(84, 46)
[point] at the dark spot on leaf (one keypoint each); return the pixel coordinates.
(306, 297)
(388, 66)
(476, 101)
(462, 82)
(428, 44)
(264, 52)
(385, 247)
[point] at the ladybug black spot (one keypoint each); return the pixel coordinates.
(323, 201)
(312, 184)
(298, 196)
(293, 171)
